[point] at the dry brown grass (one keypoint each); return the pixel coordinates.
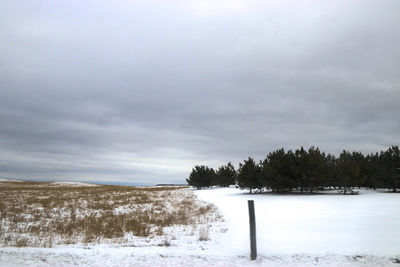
(44, 215)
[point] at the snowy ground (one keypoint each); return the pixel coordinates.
(72, 184)
(292, 230)
(368, 223)
(8, 180)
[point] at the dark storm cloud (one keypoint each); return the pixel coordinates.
(141, 91)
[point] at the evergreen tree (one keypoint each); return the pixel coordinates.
(376, 172)
(201, 176)
(248, 175)
(301, 165)
(359, 160)
(370, 168)
(348, 170)
(330, 171)
(226, 175)
(316, 169)
(390, 159)
(277, 171)
(311, 169)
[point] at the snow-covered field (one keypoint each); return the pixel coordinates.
(292, 230)
(368, 223)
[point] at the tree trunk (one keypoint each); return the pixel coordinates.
(250, 190)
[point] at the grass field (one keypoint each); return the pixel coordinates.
(51, 214)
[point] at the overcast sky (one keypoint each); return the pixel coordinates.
(131, 91)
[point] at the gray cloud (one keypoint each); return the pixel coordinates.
(132, 91)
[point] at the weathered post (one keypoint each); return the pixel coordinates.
(253, 242)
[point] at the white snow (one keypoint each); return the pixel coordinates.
(292, 230)
(72, 184)
(8, 180)
(171, 256)
(328, 223)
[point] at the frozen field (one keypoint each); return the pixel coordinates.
(292, 230)
(368, 223)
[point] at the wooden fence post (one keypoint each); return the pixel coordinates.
(253, 242)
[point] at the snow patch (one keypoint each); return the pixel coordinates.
(8, 180)
(72, 184)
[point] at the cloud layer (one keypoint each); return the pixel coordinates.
(140, 91)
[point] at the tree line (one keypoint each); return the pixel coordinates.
(306, 170)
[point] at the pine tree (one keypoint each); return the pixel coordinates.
(316, 169)
(277, 170)
(248, 175)
(330, 171)
(226, 175)
(348, 170)
(201, 176)
(390, 159)
(301, 165)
